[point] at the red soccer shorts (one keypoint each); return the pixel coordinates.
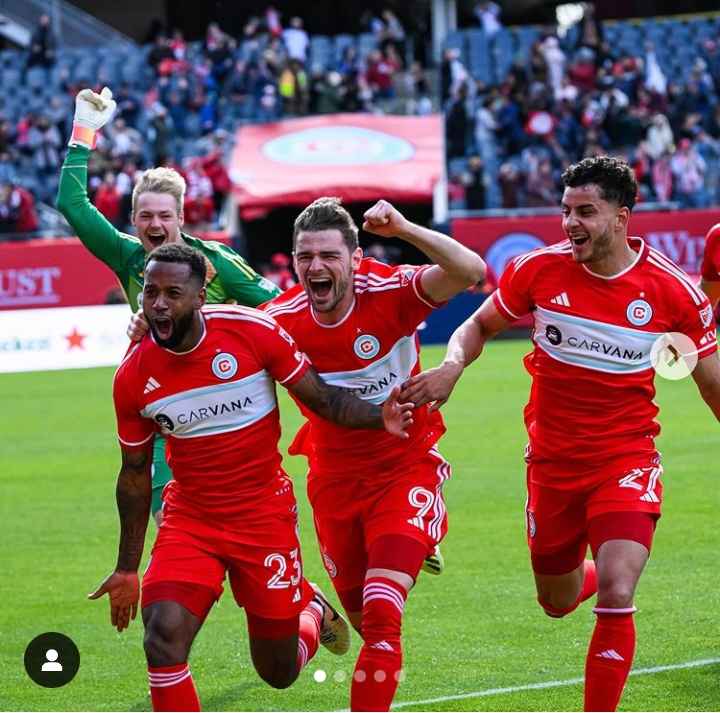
(261, 555)
(353, 511)
(557, 520)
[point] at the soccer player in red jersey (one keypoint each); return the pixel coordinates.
(600, 299)
(377, 503)
(205, 377)
(710, 269)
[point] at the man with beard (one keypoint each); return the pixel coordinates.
(205, 377)
(377, 504)
(157, 214)
(607, 309)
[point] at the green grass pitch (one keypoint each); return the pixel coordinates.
(477, 627)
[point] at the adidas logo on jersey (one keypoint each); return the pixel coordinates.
(561, 299)
(151, 385)
(609, 654)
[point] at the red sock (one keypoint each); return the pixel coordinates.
(609, 658)
(589, 587)
(379, 665)
(309, 634)
(172, 688)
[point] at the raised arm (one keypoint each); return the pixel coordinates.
(341, 407)
(133, 493)
(456, 267)
(707, 378)
(98, 235)
(466, 344)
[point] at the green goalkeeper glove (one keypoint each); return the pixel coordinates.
(92, 112)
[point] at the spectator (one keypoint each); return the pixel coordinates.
(655, 80)
(474, 181)
(109, 201)
(662, 178)
(510, 180)
(126, 142)
(296, 40)
(660, 140)
(540, 184)
(279, 272)
(128, 105)
(555, 62)
(272, 22)
(393, 32)
(198, 207)
(160, 52)
(44, 141)
(456, 125)
(381, 71)
(160, 134)
(591, 30)
(42, 45)
(214, 168)
(17, 211)
(688, 169)
(452, 74)
(488, 15)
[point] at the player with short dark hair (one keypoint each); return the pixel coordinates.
(601, 303)
(378, 508)
(205, 378)
(157, 215)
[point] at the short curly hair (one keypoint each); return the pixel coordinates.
(184, 255)
(613, 176)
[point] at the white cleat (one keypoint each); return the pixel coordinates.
(434, 563)
(335, 631)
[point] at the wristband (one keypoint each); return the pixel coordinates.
(83, 136)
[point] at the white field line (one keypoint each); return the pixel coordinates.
(551, 684)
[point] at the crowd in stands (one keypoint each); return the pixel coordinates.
(179, 102)
(522, 104)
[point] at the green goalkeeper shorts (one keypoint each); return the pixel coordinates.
(161, 473)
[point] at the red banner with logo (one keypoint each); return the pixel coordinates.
(359, 157)
(678, 234)
(58, 272)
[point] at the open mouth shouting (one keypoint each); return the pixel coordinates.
(156, 239)
(579, 240)
(163, 328)
(320, 288)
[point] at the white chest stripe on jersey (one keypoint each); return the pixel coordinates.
(591, 344)
(219, 408)
(374, 382)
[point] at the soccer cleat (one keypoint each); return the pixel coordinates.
(434, 563)
(335, 631)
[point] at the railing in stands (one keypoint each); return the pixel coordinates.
(73, 27)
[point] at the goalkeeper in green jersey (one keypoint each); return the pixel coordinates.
(157, 214)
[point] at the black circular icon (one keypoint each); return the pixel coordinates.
(553, 334)
(52, 660)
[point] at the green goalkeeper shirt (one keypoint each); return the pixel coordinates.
(229, 277)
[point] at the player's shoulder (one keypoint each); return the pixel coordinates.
(289, 305)
(129, 368)
(374, 277)
(675, 280)
(224, 316)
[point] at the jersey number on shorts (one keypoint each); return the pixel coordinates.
(279, 563)
(422, 499)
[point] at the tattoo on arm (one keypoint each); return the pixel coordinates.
(336, 404)
(134, 494)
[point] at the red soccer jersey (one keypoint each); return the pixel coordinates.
(592, 379)
(370, 351)
(710, 269)
(216, 404)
